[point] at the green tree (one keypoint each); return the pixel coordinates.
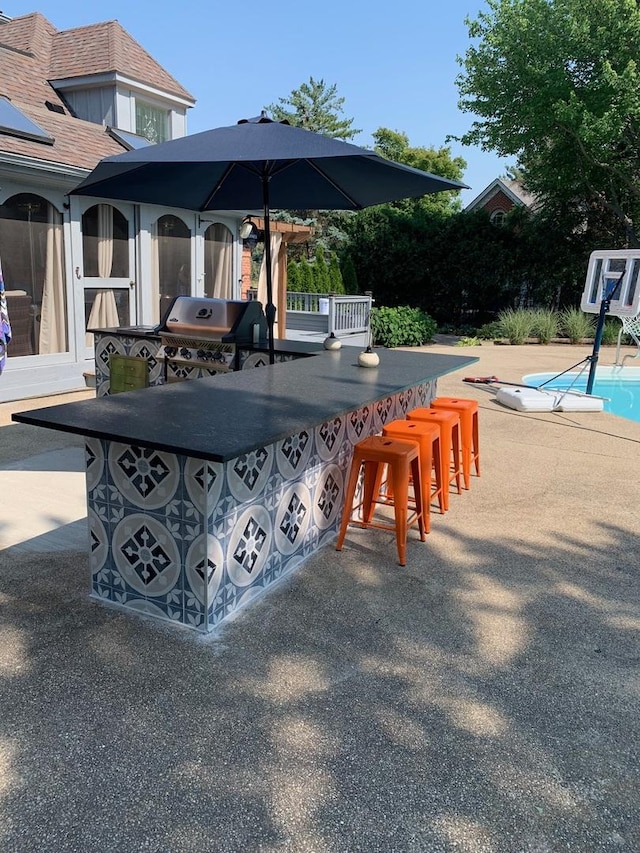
(293, 277)
(394, 145)
(349, 276)
(305, 276)
(557, 84)
(315, 106)
(321, 272)
(336, 284)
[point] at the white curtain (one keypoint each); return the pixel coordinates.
(53, 327)
(275, 241)
(104, 312)
(221, 248)
(105, 240)
(155, 274)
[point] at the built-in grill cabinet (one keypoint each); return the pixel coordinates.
(206, 333)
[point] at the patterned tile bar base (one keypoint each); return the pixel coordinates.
(150, 347)
(191, 541)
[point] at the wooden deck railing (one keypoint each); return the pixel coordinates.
(322, 312)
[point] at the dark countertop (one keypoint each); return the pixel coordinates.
(284, 347)
(224, 416)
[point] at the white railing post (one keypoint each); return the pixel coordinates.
(347, 314)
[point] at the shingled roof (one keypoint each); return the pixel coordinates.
(33, 53)
(108, 47)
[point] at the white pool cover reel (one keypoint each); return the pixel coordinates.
(535, 400)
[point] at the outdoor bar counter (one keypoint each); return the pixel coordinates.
(203, 493)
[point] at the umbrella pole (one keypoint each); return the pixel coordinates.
(270, 308)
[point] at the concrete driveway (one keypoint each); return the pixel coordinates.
(483, 698)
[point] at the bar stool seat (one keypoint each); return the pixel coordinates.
(428, 437)
(449, 424)
(468, 411)
(402, 459)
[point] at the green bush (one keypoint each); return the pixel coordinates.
(469, 342)
(490, 331)
(545, 325)
(516, 325)
(610, 331)
(403, 326)
(576, 325)
(463, 331)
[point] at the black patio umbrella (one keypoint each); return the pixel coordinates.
(258, 163)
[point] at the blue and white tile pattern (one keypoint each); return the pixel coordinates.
(190, 541)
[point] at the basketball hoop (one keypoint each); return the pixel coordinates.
(611, 287)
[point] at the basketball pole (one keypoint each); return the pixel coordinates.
(609, 292)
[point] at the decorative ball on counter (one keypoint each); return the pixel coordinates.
(332, 342)
(368, 358)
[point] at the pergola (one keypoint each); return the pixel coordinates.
(284, 234)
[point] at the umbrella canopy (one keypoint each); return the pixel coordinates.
(258, 163)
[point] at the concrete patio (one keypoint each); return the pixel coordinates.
(483, 698)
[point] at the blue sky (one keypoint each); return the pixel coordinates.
(395, 64)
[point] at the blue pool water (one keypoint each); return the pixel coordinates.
(620, 385)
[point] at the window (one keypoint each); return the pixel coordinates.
(105, 242)
(173, 258)
(218, 261)
(152, 122)
(498, 217)
(33, 267)
(131, 141)
(14, 122)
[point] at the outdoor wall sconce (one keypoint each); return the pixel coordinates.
(248, 232)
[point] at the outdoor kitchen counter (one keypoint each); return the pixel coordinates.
(227, 415)
(201, 494)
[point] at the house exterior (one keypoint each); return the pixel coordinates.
(499, 198)
(68, 99)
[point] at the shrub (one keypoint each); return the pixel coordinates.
(469, 342)
(461, 331)
(610, 331)
(545, 325)
(403, 326)
(490, 331)
(516, 325)
(576, 325)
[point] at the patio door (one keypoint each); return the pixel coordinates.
(108, 264)
(218, 268)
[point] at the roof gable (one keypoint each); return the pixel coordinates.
(514, 191)
(30, 33)
(27, 49)
(108, 48)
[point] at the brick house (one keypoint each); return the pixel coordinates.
(500, 197)
(67, 99)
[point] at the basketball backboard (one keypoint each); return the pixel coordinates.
(613, 271)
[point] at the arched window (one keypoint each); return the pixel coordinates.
(105, 242)
(173, 242)
(498, 217)
(218, 261)
(33, 268)
(106, 254)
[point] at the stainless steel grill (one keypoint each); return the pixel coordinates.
(202, 332)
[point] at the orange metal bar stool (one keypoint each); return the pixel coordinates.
(468, 411)
(449, 423)
(428, 437)
(402, 459)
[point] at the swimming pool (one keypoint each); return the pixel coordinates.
(620, 384)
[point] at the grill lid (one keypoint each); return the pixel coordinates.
(215, 319)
